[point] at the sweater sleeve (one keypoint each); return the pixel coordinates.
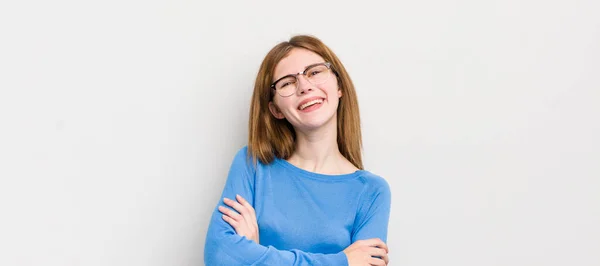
(373, 216)
(224, 246)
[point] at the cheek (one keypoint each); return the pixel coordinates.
(333, 91)
(284, 104)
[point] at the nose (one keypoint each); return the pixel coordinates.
(303, 84)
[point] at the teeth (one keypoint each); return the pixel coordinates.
(311, 103)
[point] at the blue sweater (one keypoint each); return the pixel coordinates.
(304, 218)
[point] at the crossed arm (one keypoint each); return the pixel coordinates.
(363, 252)
(233, 238)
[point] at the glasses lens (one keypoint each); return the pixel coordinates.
(286, 86)
(317, 74)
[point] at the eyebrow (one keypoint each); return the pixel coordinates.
(293, 74)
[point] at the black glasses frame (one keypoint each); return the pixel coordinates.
(327, 64)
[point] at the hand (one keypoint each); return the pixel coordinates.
(244, 220)
(362, 252)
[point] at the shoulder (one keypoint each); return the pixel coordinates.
(375, 185)
(243, 160)
(374, 181)
(242, 152)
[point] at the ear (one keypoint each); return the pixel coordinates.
(275, 111)
(339, 93)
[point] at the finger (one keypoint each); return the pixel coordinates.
(376, 242)
(238, 207)
(386, 258)
(248, 206)
(230, 221)
(251, 218)
(251, 221)
(379, 253)
(234, 215)
(377, 262)
(245, 215)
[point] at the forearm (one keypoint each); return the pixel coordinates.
(225, 247)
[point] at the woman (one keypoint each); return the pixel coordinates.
(298, 194)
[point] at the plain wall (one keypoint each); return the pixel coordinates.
(119, 120)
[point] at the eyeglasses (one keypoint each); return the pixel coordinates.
(315, 74)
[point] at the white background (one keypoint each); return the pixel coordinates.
(119, 120)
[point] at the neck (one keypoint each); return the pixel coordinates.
(317, 151)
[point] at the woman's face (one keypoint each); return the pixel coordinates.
(311, 106)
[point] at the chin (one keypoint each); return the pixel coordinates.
(317, 122)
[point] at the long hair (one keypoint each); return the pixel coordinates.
(269, 137)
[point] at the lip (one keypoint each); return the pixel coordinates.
(308, 100)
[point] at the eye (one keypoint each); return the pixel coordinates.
(316, 70)
(286, 82)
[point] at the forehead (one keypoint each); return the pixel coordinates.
(296, 61)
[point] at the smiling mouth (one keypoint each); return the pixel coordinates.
(311, 103)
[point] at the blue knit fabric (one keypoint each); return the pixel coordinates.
(304, 218)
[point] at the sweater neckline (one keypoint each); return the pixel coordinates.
(313, 175)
